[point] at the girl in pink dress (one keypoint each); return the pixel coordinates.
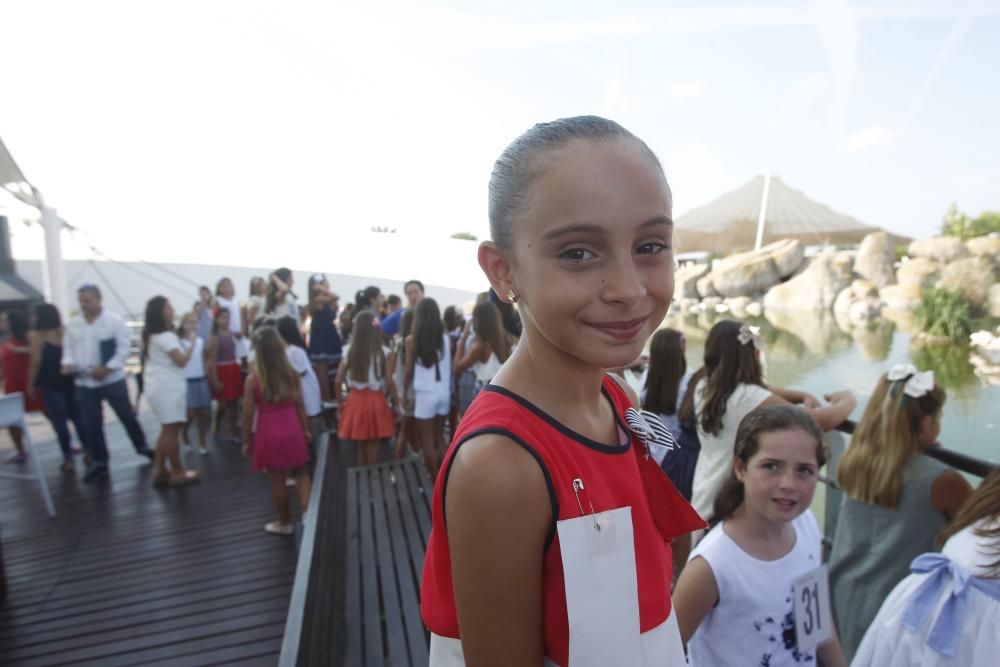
(272, 399)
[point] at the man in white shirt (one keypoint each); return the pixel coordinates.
(95, 348)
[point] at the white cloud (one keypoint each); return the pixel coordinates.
(866, 139)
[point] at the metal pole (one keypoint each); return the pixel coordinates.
(54, 276)
(763, 210)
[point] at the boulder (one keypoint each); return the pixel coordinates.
(993, 300)
(816, 288)
(686, 279)
(941, 249)
(985, 246)
(863, 289)
(863, 311)
(749, 273)
(738, 304)
(841, 305)
(901, 297)
(970, 276)
(706, 287)
(875, 258)
(710, 302)
(686, 305)
(919, 271)
(755, 309)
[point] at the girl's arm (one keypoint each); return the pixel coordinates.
(281, 289)
(338, 383)
(249, 407)
(390, 382)
(499, 515)
(795, 396)
(695, 595)
(212, 362)
(828, 417)
(301, 407)
(830, 653)
(949, 491)
(181, 358)
(325, 295)
(479, 351)
(409, 346)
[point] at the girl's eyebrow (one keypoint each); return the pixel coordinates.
(584, 228)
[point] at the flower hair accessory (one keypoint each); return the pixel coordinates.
(655, 436)
(914, 383)
(750, 334)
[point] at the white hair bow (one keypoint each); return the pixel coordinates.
(916, 384)
(748, 334)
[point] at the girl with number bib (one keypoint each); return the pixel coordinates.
(551, 524)
(734, 598)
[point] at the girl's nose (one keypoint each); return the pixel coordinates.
(622, 283)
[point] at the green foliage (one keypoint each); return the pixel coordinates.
(465, 236)
(902, 250)
(950, 364)
(944, 313)
(959, 224)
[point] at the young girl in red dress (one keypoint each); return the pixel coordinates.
(275, 426)
(15, 359)
(552, 455)
(224, 372)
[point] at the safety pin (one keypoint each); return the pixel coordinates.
(577, 488)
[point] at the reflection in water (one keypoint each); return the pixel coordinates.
(950, 364)
(809, 351)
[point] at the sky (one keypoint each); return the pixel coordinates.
(237, 132)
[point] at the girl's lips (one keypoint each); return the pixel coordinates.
(785, 502)
(621, 330)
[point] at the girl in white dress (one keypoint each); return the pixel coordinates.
(947, 612)
(166, 390)
(734, 598)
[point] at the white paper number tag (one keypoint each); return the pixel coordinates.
(813, 619)
(602, 594)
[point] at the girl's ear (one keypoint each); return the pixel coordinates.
(497, 266)
(739, 469)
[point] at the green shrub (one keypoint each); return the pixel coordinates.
(944, 313)
(959, 224)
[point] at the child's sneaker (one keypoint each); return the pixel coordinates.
(278, 528)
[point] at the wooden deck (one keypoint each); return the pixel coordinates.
(128, 575)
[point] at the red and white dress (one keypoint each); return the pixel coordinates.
(613, 480)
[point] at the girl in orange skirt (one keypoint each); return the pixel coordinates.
(224, 373)
(365, 416)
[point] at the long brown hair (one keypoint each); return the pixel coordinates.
(428, 332)
(728, 363)
(667, 366)
(278, 380)
(984, 503)
(761, 420)
(366, 348)
(489, 329)
(885, 439)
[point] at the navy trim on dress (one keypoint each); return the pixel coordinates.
(565, 430)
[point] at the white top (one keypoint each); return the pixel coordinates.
(195, 369)
(82, 347)
(486, 371)
(426, 379)
(888, 643)
(299, 360)
(290, 307)
(160, 371)
(716, 456)
(374, 382)
(753, 622)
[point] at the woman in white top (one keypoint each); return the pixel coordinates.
(280, 299)
(166, 390)
(428, 372)
(727, 387)
(489, 349)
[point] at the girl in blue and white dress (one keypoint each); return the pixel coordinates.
(947, 612)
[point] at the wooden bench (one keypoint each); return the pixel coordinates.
(387, 525)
